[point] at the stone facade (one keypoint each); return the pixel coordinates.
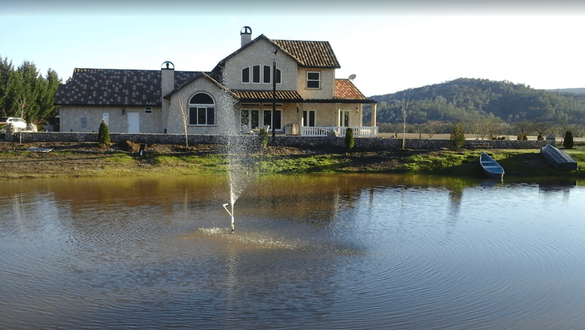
(370, 144)
(88, 119)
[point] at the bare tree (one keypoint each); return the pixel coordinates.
(432, 127)
(184, 110)
(541, 128)
(22, 105)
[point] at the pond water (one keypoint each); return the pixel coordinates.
(326, 252)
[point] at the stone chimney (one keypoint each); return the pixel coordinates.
(167, 85)
(167, 78)
(246, 35)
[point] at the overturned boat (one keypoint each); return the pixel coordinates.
(558, 158)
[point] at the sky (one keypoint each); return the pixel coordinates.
(390, 45)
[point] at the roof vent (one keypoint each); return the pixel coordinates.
(167, 65)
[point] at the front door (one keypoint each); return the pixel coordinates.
(133, 122)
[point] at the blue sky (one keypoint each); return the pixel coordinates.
(389, 45)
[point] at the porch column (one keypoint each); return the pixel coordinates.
(373, 119)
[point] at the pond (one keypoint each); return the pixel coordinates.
(314, 251)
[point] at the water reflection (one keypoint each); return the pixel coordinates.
(339, 251)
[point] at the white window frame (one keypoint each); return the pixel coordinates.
(344, 118)
(312, 80)
(204, 107)
(261, 75)
(242, 76)
(307, 115)
(259, 66)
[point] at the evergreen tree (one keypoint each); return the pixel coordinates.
(104, 135)
(263, 134)
(568, 140)
(458, 136)
(349, 140)
(24, 92)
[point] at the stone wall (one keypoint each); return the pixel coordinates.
(289, 141)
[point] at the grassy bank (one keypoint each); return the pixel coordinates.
(90, 161)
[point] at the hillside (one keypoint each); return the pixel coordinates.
(470, 100)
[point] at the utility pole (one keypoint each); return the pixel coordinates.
(274, 93)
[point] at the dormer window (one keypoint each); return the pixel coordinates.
(313, 80)
(260, 74)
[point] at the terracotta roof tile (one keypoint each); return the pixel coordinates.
(315, 54)
(346, 90)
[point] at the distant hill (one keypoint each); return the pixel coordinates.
(569, 90)
(467, 100)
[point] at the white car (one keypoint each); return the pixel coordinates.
(19, 123)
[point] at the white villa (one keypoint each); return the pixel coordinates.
(288, 86)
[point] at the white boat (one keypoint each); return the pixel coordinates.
(558, 158)
(491, 167)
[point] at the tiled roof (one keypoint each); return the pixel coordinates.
(314, 54)
(346, 90)
(116, 87)
(266, 96)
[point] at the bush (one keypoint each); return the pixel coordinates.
(263, 137)
(540, 137)
(104, 135)
(568, 141)
(458, 136)
(349, 141)
(522, 136)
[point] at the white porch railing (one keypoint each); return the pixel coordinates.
(363, 131)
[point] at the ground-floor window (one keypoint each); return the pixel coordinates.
(250, 119)
(261, 115)
(309, 118)
(275, 121)
(201, 110)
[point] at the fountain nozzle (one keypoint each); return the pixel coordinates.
(231, 214)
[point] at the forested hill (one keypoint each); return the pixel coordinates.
(470, 100)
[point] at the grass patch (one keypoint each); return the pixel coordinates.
(308, 164)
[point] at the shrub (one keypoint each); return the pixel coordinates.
(540, 137)
(263, 137)
(458, 136)
(349, 141)
(568, 141)
(104, 135)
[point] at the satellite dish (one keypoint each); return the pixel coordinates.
(352, 77)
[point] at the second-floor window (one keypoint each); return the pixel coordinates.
(313, 80)
(246, 75)
(260, 74)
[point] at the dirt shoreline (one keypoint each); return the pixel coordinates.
(89, 159)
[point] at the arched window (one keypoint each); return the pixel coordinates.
(201, 110)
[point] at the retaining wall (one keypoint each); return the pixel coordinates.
(289, 141)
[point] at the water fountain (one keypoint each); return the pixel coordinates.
(240, 160)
